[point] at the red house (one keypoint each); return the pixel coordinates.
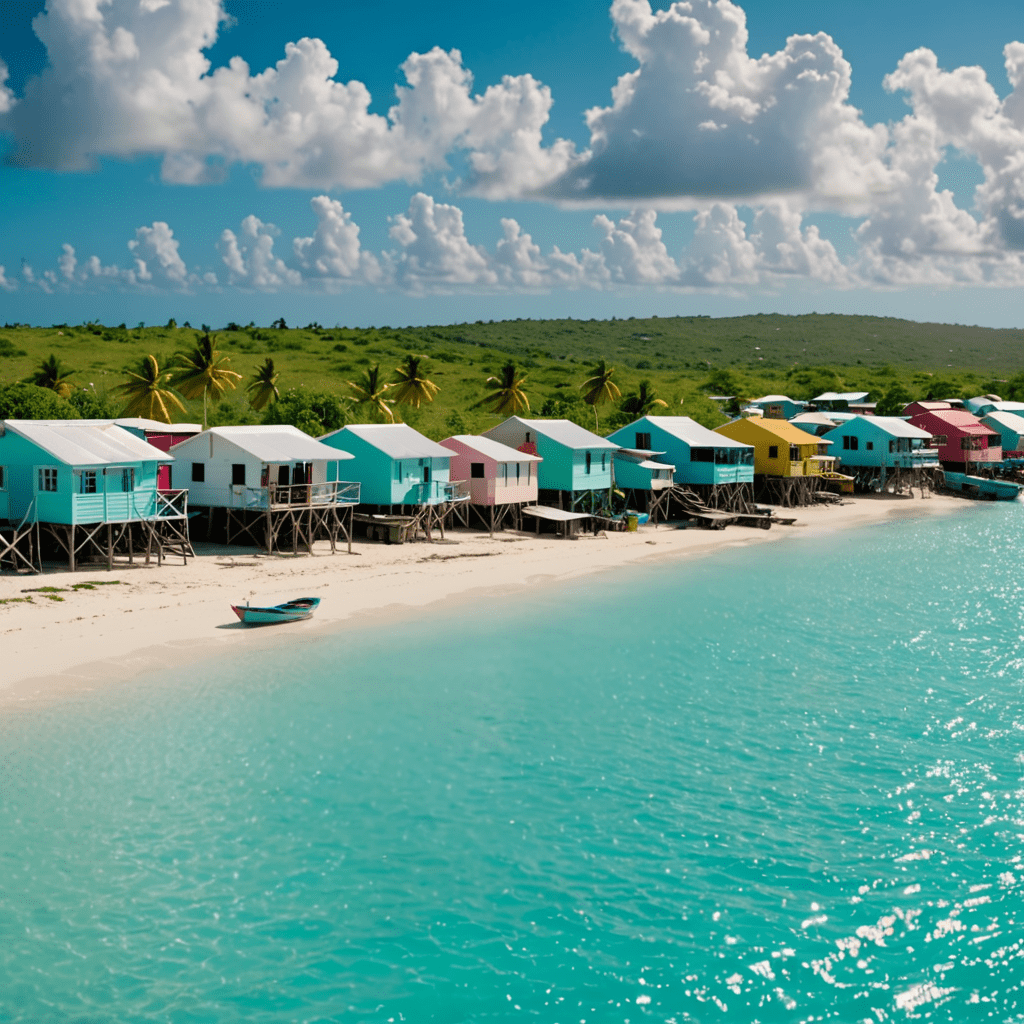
(965, 444)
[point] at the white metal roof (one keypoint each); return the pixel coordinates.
(396, 440)
(272, 443)
(693, 433)
(156, 427)
(492, 449)
(818, 418)
(1010, 420)
(567, 433)
(845, 396)
(894, 426)
(776, 398)
(558, 515)
(77, 443)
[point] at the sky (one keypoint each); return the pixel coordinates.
(390, 162)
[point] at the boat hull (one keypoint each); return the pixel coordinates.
(291, 611)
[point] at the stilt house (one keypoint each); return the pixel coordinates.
(1010, 427)
(275, 485)
(91, 487)
(501, 480)
(400, 472)
(846, 401)
(719, 469)
(789, 463)
(965, 444)
(885, 453)
(777, 407)
(577, 469)
(160, 435)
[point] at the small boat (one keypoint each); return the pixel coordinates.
(290, 611)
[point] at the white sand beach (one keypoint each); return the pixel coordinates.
(153, 618)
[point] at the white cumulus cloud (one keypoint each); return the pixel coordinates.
(249, 257)
(334, 250)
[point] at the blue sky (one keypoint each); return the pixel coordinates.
(218, 160)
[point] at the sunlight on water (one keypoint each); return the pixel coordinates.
(781, 784)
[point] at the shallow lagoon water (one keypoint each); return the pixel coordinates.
(773, 784)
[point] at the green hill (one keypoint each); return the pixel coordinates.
(685, 358)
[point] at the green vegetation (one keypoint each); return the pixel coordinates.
(682, 359)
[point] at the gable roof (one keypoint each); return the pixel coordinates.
(819, 419)
(891, 425)
(567, 433)
(75, 443)
(691, 432)
(1009, 420)
(964, 421)
(785, 430)
(396, 440)
(845, 396)
(271, 443)
(775, 398)
(491, 449)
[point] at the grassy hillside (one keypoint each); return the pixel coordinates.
(685, 358)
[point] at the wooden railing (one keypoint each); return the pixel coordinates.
(333, 492)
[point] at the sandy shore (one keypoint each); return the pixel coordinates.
(152, 617)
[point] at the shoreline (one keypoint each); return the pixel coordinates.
(53, 650)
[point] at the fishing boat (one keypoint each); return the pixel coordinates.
(290, 611)
(982, 487)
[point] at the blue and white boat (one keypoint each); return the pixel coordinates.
(290, 611)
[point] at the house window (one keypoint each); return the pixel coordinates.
(283, 476)
(851, 444)
(588, 462)
(128, 479)
(869, 445)
(48, 479)
(702, 454)
(198, 472)
(794, 453)
(3, 486)
(604, 460)
(643, 441)
(527, 437)
(773, 451)
(398, 471)
(238, 474)
(940, 441)
(88, 482)
(503, 472)
(518, 468)
(426, 472)
(476, 470)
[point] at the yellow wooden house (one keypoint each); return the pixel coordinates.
(781, 449)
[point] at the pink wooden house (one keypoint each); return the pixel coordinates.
(501, 479)
(965, 444)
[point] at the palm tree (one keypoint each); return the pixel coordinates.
(506, 397)
(643, 401)
(262, 390)
(147, 394)
(599, 388)
(369, 391)
(202, 371)
(410, 387)
(53, 375)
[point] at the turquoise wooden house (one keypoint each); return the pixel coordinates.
(718, 468)
(777, 407)
(1009, 426)
(577, 466)
(92, 486)
(884, 453)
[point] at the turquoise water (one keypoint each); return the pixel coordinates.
(776, 784)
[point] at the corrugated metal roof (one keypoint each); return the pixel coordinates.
(75, 443)
(493, 449)
(396, 440)
(567, 433)
(961, 419)
(274, 443)
(695, 435)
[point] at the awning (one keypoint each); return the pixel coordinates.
(556, 515)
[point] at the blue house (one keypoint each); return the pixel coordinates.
(1010, 426)
(395, 465)
(577, 464)
(93, 486)
(701, 457)
(883, 451)
(777, 407)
